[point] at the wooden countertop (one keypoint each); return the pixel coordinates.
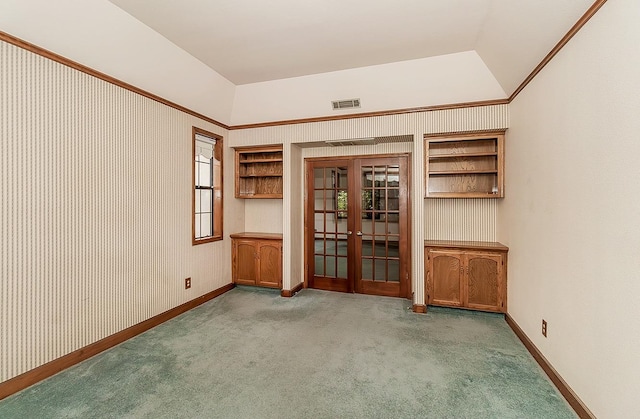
(456, 244)
(262, 236)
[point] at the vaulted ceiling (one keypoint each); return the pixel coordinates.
(249, 41)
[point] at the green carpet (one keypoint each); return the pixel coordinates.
(252, 354)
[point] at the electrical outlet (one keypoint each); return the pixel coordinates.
(544, 328)
(187, 283)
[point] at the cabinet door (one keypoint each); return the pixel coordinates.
(270, 262)
(484, 290)
(445, 278)
(245, 262)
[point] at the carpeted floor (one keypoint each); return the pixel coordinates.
(252, 354)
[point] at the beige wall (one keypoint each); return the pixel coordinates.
(452, 78)
(571, 215)
(95, 214)
(263, 215)
(100, 35)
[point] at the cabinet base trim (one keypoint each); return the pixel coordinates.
(290, 293)
(37, 374)
(419, 308)
(563, 387)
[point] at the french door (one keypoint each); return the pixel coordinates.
(357, 225)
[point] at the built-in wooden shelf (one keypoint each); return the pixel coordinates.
(259, 172)
(465, 166)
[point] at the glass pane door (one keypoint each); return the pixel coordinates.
(379, 227)
(331, 215)
(357, 225)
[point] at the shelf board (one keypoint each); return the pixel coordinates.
(266, 175)
(463, 195)
(464, 155)
(260, 196)
(463, 172)
(260, 161)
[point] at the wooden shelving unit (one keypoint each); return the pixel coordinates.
(259, 172)
(465, 166)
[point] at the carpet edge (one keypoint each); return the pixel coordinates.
(35, 375)
(570, 396)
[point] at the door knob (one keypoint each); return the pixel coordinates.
(359, 233)
(349, 232)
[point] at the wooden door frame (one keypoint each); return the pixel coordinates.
(407, 280)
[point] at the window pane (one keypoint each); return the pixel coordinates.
(367, 269)
(342, 267)
(204, 149)
(319, 266)
(380, 271)
(331, 266)
(319, 222)
(206, 225)
(394, 270)
(367, 247)
(342, 245)
(342, 177)
(207, 187)
(204, 174)
(206, 197)
(318, 176)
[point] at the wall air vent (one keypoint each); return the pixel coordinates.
(345, 104)
(355, 141)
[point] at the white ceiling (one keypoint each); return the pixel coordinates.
(249, 41)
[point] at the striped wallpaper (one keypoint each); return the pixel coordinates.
(445, 219)
(95, 215)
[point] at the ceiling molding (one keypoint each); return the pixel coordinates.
(70, 63)
(372, 114)
(95, 73)
(565, 39)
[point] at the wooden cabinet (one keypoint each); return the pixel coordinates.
(467, 274)
(465, 166)
(257, 259)
(259, 172)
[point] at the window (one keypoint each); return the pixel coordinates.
(207, 187)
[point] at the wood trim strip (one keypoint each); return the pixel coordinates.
(565, 39)
(292, 292)
(87, 70)
(420, 308)
(563, 387)
(448, 136)
(70, 63)
(37, 374)
(372, 114)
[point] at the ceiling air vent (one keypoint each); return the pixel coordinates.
(345, 104)
(354, 141)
